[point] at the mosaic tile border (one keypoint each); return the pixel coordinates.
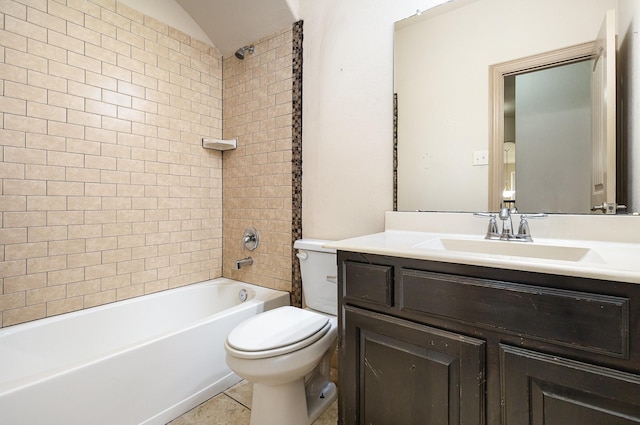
(296, 158)
(395, 151)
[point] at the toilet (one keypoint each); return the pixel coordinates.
(286, 352)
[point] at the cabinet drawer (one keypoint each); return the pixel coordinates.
(588, 321)
(370, 283)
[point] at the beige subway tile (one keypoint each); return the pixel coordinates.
(64, 218)
(132, 266)
(15, 267)
(130, 13)
(129, 38)
(82, 175)
(84, 90)
(9, 105)
(24, 282)
(144, 203)
(80, 231)
(130, 165)
(102, 81)
(46, 203)
(135, 191)
(100, 53)
(12, 74)
(46, 20)
(100, 271)
(27, 124)
(26, 250)
(23, 314)
(66, 101)
(21, 27)
(127, 292)
(47, 81)
(65, 305)
(116, 229)
(45, 142)
(122, 206)
(117, 177)
(100, 26)
(44, 172)
(65, 130)
(117, 72)
(116, 98)
(144, 252)
(84, 203)
(14, 9)
(84, 119)
(116, 256)
(83, 287)
(115, 124)
(131, 64)
(100, 189)
(101, 108)
(83, 146)
(43, 295)
(100, 162)
(147, 276)
(99, 217)
(56, 188)
(130, 114)
(75, 246)
(23, 219)
(87, 259)
(89, 8)
(65, 276)
(47, 233)
(131, 241)
(101, 244)
(24, 155)
(99, 298)
(116, 282)
(86, 34)
(24, 187)
(25, 60)
(66, 42)
(46, 264)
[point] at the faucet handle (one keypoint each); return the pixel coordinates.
(523, 229)
(492, 230)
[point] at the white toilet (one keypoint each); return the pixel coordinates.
(286, 352)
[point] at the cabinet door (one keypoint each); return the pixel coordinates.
(541, 389)
(398, 372)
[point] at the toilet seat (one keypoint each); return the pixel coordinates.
(276, 332)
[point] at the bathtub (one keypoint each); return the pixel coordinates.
(145, 360)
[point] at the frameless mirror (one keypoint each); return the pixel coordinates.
(445, 117)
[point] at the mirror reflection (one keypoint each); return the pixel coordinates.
(442, 82)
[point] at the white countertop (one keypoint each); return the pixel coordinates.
(607, 260)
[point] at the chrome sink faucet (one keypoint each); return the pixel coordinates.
(507, 224)
(507, 234)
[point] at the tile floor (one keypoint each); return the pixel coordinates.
(233, 407)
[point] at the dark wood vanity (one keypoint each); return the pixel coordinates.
(424, 342)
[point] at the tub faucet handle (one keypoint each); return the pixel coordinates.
(250, 238)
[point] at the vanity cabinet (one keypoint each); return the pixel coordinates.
(424, 342)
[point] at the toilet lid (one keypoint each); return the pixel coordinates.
(276, 328)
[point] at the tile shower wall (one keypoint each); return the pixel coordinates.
(106, 192)
(257, 184)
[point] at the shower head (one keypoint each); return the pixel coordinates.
(240, 52)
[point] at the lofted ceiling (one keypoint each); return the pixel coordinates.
(232, 24)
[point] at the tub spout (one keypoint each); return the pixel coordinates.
(244, 262)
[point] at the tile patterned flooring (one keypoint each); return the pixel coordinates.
(233, 407)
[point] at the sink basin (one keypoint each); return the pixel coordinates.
(513, 249)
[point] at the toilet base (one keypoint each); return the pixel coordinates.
(290, 404)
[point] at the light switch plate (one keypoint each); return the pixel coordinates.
(480, 157)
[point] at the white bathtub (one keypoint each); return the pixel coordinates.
(145, 360)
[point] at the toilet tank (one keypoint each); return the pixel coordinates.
(319, 271)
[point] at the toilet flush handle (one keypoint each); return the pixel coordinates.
(302, 255)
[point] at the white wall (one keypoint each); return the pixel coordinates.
(347, 114)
